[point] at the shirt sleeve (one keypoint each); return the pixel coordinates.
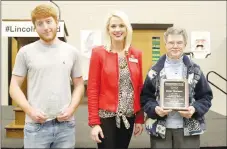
(20, 66)
(76, 69)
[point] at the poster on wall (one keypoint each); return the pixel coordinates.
(155, 49)
(200, 44)
(89, 39)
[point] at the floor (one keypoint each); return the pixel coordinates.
(215, 136)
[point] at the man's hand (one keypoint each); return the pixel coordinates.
(95, 131)
(138, 129)
(188, 114)
(37, 116)
(65, 114)
(161, 112)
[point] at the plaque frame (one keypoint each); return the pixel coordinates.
(186, 94)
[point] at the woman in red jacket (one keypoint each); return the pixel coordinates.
(114, 85)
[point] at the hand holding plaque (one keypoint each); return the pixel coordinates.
(161, 112)
(174, 94)
(188, 114)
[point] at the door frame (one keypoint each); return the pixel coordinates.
(150, 27)
(145, 26)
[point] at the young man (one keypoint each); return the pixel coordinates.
(48, 64)
(176, 129)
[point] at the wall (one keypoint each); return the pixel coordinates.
(192, 15)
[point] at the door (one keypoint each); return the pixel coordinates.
(151, 43)
(17, 43)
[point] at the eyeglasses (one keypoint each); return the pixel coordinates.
(172, 44)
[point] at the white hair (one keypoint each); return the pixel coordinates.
(107, 38)
(176, 31)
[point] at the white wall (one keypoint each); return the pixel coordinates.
(192, 15)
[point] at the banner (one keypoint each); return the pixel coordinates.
(25, 29)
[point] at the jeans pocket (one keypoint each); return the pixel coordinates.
(32, 127)
(71, 124)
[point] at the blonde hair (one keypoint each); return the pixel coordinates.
(107, 38)
(43, 11)
(176, 31)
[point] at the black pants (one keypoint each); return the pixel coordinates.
(115, 138)
(175, 139)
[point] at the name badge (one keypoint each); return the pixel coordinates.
(134, 60)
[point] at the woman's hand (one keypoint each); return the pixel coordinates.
(95, 131)
(138, 129)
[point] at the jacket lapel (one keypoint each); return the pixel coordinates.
(131, 66)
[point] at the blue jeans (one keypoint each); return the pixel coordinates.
(51, 134)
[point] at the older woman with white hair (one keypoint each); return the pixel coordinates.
(114, 86)
(180, 125)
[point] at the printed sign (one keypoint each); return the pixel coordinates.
(25, 29)
(200, 44)
(89, 39)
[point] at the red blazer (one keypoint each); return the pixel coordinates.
(102, 89)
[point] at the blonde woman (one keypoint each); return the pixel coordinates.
(114, 85)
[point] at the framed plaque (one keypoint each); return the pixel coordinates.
(174, 94)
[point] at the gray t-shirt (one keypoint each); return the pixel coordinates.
(49, 69)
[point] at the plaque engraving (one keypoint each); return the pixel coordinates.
(174, 94)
